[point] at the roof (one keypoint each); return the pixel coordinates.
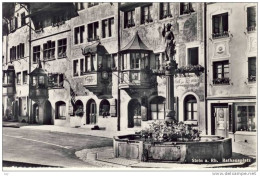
(39, 70)
(136, 44)
(94, 48)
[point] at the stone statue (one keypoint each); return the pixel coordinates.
(169, 42)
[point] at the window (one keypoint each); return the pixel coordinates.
(20, 50)
(146, 14)
(92, 4)
(62, 48)
(107, 27)
(79, 5)
(13, 53)
(190, 108)
(252, 69)
(36, 53)
(251, 18)
(23, 19)
(186, 8)
(90, 63)
(220, 25)
(129, 19)
(157, 62)
(34, 81)
(246, 120)
(157, 108)
(41, 82)
(104, 108)
(49, 50)
(221, 72)
(135, 60)
(25, 77)
(75, 68)
(60, 110)
(193, 56)
(78, 34)
(19, 78)
(93, 31)
(56, 80)
(165, 10)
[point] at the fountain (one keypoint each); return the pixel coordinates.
(171, 140)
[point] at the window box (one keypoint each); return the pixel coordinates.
(221, 81)
(220, 35)
(93, 39)
(39, 30)
(197, 69)
(252, 79)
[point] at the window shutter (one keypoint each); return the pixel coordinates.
(113, 107)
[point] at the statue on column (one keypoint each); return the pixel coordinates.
(169, 42)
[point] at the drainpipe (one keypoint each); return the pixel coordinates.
(206, 68)
(30, 120)
(118, 68)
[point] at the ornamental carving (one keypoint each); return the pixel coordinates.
(221, 49)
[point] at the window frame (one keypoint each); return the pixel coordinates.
(222, 33)
(36, 53)
(110, 27)
(62, 47)
(131, 20)
(190, 99)
(249, 27)
(25, 77)
(189, 58)
(75, 67)
(19, 78)
(147, 18)
(168, 11)
(23, 20)
(252, 78)
(93, 31)
(189, 8)
(247, 105)
(79, 36)
(49, 49)
(222, 80)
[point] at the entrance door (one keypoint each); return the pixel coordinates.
(221, 121)
(35, 113)
(91, 112)
(134, 114)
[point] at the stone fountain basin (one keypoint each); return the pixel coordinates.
(210, 149)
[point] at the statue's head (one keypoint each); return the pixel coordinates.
(168, 26)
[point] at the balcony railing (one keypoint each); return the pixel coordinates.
(220, 35)
(221, 81)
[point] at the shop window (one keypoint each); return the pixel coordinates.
(246, 120)
(62, 48)
(186, 8)
(221, 72)
(190, 108)
(220, 25)
(61, 110)
(251, 19)
(78, 34)
(56, 80)
(25, 77)
(129, 19)
(107, 27)
(23, 19)
(146, 14)
(157, 108)
(79, 5)
(36, 53)
(104, 108)
(93, 32)
(75, 68)
(92, 4)
(90, 63)
(193, 56)
(22, 106)
(165, 10)
(18, 78)
(252, 69)
(20, 51)
(49, 50)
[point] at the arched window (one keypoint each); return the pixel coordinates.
(78, 108)
(190, 108)
(104, 108)
(60, 110)
(157, 108)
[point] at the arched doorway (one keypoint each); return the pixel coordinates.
(60, 110)
(104, 108)
(47, 118)
(91, 114)
(35, 113)
(134, 114)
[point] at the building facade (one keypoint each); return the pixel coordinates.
(105, 62)
(231, 63)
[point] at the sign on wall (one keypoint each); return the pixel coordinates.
(91, 79)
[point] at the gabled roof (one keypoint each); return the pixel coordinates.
(136, 44)
(39, 70)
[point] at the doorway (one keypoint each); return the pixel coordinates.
(47, 113)
(134, 114)
(220, 120)
(91, 112)
(35, 113)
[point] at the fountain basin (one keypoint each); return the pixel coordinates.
(208, 149)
